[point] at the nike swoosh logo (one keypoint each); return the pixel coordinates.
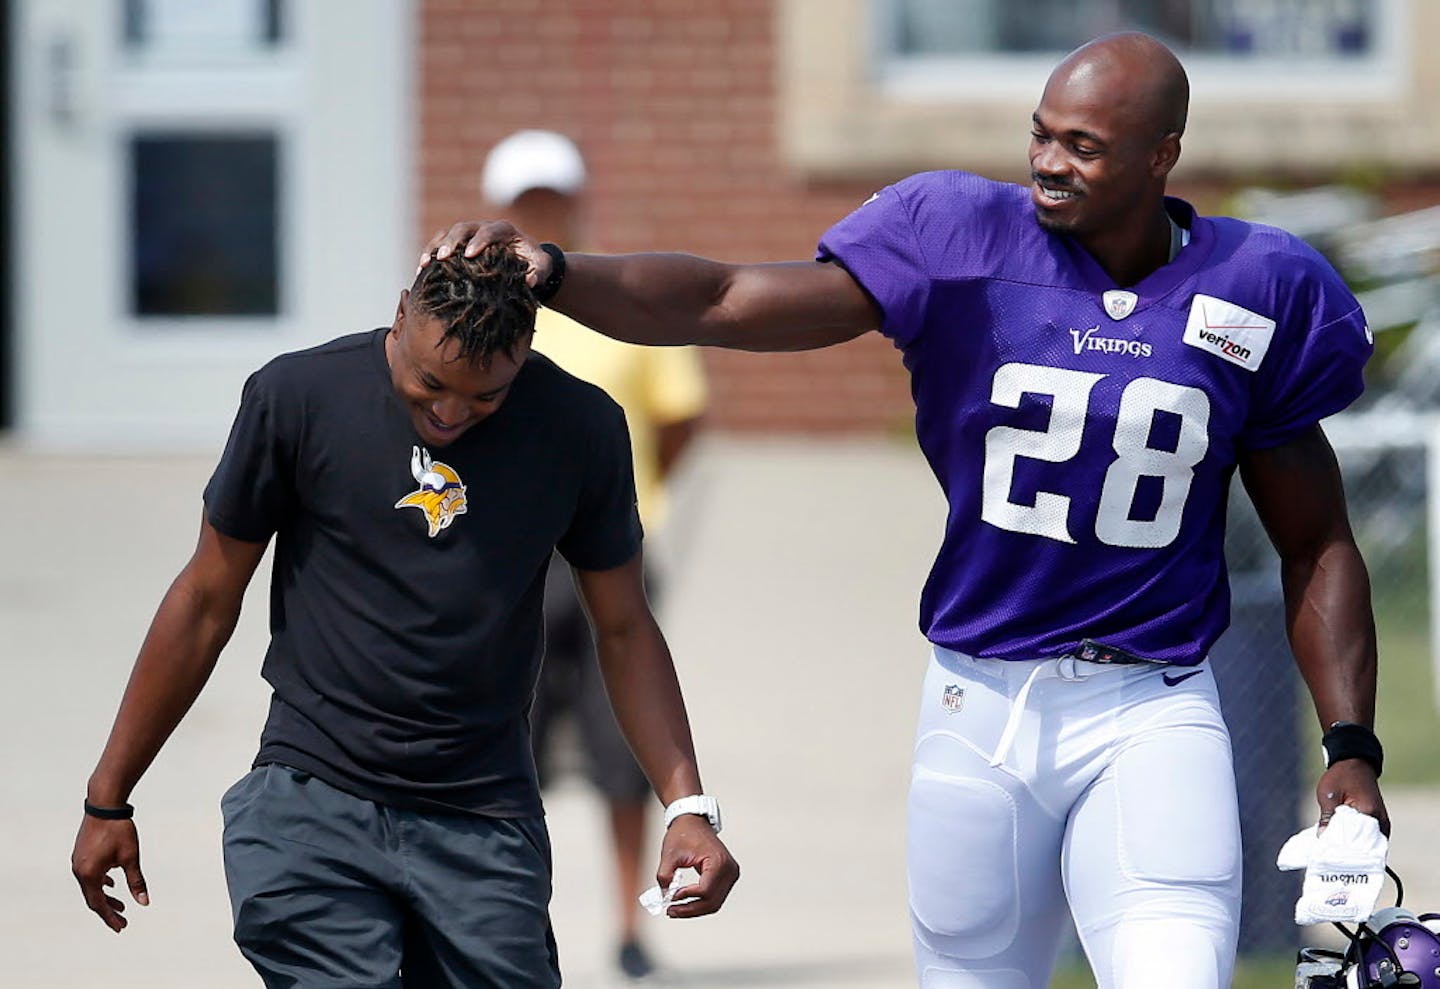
(1171, 681)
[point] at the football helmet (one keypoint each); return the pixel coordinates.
(1394, 948)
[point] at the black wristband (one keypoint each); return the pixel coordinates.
(546, 290)
(122, 813)
(1347, 740)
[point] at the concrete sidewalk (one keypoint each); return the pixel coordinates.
(794, 571)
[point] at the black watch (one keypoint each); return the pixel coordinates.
(546, 290)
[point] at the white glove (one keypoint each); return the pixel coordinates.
(1344, 867)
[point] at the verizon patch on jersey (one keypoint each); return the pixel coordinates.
(1228, 331)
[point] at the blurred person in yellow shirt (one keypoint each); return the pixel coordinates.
(537, 179)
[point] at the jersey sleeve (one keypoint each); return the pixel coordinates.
(878, 245)
(605, 531)
(251, 493)
(1318, 369)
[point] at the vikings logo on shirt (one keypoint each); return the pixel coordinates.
(441, 496)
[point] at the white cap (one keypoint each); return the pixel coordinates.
(532, 159)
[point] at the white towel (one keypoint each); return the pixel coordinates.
(656, 900)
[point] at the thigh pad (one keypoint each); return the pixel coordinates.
(964, 887)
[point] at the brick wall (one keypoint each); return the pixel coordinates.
(673, 104)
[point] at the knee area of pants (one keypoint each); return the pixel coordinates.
(1175, 952)
(964, 887)
(932, 977)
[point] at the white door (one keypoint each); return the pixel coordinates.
(200, 185)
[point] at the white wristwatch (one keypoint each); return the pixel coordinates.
(702, 804)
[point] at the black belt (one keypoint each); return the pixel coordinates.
(1090, 651)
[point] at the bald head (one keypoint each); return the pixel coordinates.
(1104, 140)
(1137, 76)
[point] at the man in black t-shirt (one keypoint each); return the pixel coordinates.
(416, 480)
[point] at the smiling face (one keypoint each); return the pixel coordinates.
(1105, 136)
(444, 392)
(1089, 165)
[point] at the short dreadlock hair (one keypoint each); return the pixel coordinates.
(483, 301)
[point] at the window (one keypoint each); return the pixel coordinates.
(203, 227)
(203, 100)
(203, 25)
(880, 88)
(1265, 28)
(1302, 49)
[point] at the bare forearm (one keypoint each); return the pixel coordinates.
(1300, 497)
(1332, 632)
(643, 689)
(177, 657)
(673, 299)
(643, 298)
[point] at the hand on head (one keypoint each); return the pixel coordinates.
(472, 236)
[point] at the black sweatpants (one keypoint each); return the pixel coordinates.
(329, 890)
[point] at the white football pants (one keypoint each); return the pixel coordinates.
(1034, 782)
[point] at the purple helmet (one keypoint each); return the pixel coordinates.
(1394, 948)
(1398, 948)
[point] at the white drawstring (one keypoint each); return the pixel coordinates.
(1017, 710)
(1065, 667)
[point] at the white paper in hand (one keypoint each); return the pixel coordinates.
(656, 900)
(1344, 868)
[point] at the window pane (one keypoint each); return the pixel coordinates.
(188, 25)
(204, 225)
(1272, 28)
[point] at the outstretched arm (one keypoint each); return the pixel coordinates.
(670, 299)
(645, 694)
(1298, 493)
(191, 626)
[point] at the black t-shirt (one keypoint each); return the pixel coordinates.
(405, 603)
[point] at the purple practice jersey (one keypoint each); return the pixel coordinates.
(1085, 435)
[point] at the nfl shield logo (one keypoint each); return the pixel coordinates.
(1119, 303)
(953, 698)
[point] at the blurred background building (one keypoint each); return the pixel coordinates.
(196, 185)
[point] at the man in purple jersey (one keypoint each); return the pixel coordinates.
(1091, 362)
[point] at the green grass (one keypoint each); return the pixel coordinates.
(1250, 973)
(1405, 716)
